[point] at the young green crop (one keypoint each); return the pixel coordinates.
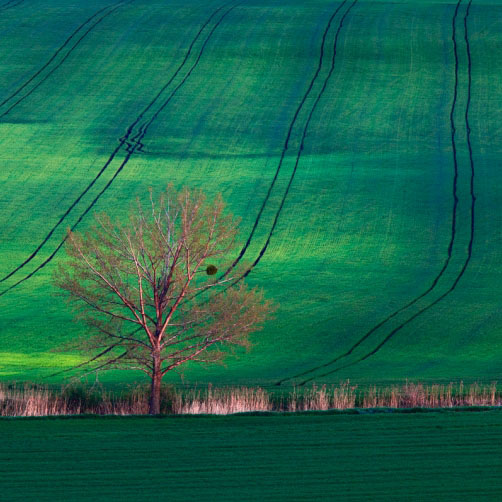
(440, 456)
(366, 225)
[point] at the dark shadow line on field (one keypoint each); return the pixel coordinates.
(286, 142)
(139, 144)
(92, 359)
(6, 4)
(283, 153)
(300, 150)
(122, 141)
(34, 88)
(452, 237)
(285, 148)
(130, 152)
(472, 223)
(67, 41)
(10, 5)
(135, 142)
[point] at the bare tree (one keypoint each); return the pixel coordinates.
(148, 287)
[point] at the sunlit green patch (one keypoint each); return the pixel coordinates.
(366, 224)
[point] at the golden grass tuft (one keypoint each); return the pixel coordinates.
(222, 401)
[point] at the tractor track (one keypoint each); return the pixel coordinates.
(472, 222)
(113, 7)
(131, 147)
(300, 150)
(283, 153)
(11, 4)
(6, 4)
(286, 142)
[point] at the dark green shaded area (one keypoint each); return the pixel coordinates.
(366, 224)
(437, 456)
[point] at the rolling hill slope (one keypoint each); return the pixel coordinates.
(359, 141)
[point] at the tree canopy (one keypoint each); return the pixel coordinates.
(151, 290)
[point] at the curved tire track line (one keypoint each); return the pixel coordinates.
(6, 4)
(300, 150)
(122, 141)
(472, 223)
(285, 147)
(126, 159)
(68, 40)
(321, 92)
(452, 237)
(10, 5)
(286, 142)
(144, 129)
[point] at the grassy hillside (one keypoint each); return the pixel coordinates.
(442, 456)
(341, 130)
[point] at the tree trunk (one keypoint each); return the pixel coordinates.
(154, 407)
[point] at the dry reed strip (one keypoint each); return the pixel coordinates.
(32, 400)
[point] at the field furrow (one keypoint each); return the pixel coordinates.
(110, 9)
(130, 150)
(357, 140)
(451, 243)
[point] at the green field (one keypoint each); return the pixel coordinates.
(422, 456)
(346, 122)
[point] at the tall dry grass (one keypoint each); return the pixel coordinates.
(416, 395)
(222, 401)
(33, 400)
(341, 397)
